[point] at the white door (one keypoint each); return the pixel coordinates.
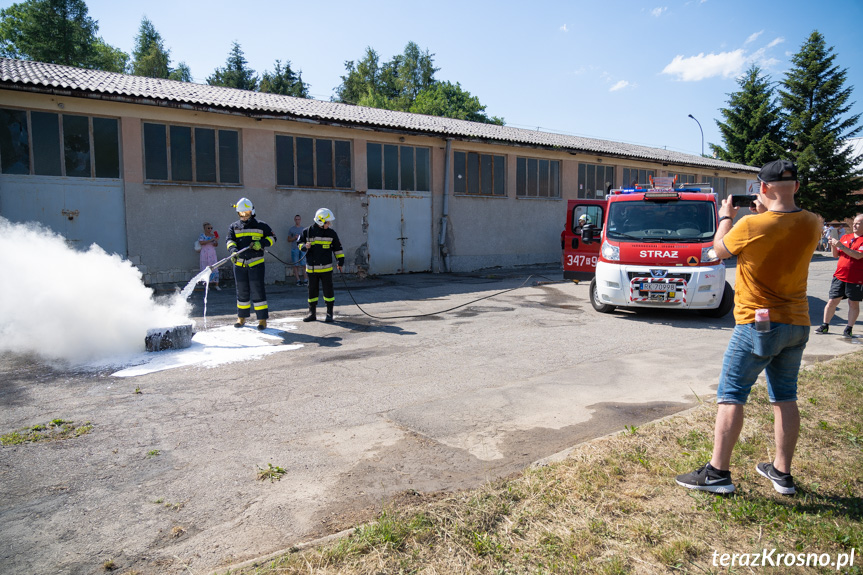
(400, 232)
(84, 211)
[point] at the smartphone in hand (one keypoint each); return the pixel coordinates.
(743, 201)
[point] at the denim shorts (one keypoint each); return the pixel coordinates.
(778, 351)
(295, 255)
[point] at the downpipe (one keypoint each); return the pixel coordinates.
(443, 220)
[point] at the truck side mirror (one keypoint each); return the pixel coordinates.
(588, 234)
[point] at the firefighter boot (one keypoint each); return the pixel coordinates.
(241, 321)
(329, 318)
(312, 314)
(262, 324)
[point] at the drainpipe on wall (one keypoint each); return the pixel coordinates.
(443, 219)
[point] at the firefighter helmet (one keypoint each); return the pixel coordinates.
(584, 220)
(245, 205)
(323, 216)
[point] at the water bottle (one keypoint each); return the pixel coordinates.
(762, 320)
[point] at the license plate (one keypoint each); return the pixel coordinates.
(656, 286)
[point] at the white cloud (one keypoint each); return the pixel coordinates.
(703, 66)
(619, 86)
(776, 42)
(658, 11)
(753, 37)
(564, 28)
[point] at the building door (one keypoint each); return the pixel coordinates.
(400, 232)
(82, 211)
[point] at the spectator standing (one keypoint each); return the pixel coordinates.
(296, 255)
(208, 240)
(848, 279)
(773, 252)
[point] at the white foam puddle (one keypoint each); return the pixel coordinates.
(212, 348)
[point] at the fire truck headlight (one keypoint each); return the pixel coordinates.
(708, 255)
(610, 252)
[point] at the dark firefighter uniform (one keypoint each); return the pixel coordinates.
(321, 245)
(249, 265)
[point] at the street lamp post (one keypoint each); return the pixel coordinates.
(702, 133)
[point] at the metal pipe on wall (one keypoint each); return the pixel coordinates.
(443, 219)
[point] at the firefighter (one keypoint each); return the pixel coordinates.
(320, 242)
(249, 232)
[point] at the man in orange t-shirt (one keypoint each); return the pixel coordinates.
(773, 250)
(848, 279)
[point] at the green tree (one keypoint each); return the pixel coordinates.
(407, 83)
(284, 81)
(182, 73)
(753, 131)
(450, 101)
(109, 58)
(815, 104)
(236, 73)
(55, 31)
(150, 57)
(361, 80)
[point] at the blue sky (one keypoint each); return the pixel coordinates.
(623, 70)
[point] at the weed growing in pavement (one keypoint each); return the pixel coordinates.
(613, 506)
(153, 453)
(272, 472)
(57, 429)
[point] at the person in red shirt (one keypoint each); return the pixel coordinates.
(848, 279)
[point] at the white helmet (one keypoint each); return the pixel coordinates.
(584, 220)
(323, 216)
(245, 205)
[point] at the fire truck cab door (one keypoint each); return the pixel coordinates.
(579, 258)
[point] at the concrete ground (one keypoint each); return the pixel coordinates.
(362, 411)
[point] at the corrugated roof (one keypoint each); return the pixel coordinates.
(53, 78)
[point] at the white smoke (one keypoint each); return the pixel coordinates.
(74, 306)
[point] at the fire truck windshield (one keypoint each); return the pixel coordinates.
(677, 221)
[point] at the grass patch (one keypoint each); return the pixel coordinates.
(272, 472)
(54, 430)
(612, 507)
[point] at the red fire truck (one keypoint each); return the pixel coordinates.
(648, 247)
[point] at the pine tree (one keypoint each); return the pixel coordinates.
(182, 73)
(150, 58)
(56, 31)
(284, 81)
(235, 74)
(815, 103)
(753, 129)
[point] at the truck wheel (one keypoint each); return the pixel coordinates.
(726, 304)
(594, 299)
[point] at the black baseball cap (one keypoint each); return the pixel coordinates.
(775, 171)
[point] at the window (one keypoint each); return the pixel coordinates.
(684, 178)
(594, 181)
(177, 153)
(479, 174)
(398, 168)
(633, 177)
(312, 162)
(718, 184)
(594, 216)
(537, 178)
(52, 144)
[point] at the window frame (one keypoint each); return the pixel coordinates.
(94, 165)
(336, 165)
(584, 179)
(399, 162)
(470, 182)
(197, 134)
(528, 169)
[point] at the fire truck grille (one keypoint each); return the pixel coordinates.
(669, 275)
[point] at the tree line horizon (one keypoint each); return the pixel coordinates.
(803, 117)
